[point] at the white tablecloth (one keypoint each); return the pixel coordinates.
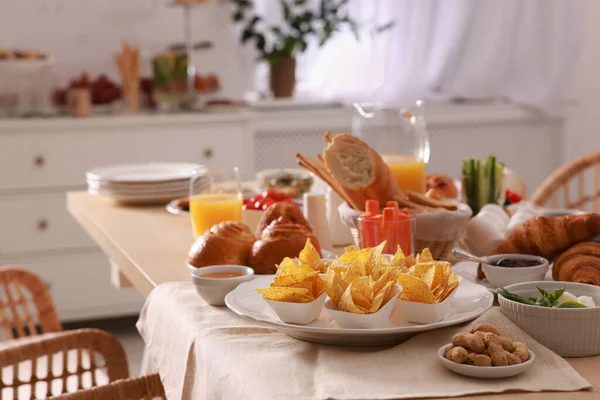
(205, 352)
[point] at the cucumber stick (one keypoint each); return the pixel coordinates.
(482, 181)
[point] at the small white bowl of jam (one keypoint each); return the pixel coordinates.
(506, 269)
(213, 283)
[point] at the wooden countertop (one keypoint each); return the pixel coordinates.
(150, 246)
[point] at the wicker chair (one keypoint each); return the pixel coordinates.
(56, 363)
(26, 305)
(143, 388)
(571, 180)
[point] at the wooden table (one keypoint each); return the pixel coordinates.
(150, 246)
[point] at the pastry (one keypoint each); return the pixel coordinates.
(580, 263)
(282, 238)
(440, 187)
(548, 236)
(224, 243)
(289, 211)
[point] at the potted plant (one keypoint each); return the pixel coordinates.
(278, 44)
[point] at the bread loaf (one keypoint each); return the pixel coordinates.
(580, 264)
(224, 243)
(282, 238)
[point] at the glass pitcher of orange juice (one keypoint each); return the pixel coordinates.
(399, 134)
(215, 197)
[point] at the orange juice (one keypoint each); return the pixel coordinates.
(207, 210)
(408, 171)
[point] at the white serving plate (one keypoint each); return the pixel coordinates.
(485, 372)
(471, 300)
(143, 172)
(468, 271)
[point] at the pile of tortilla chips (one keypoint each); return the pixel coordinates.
(294, 283)
(363, 283)
(431, 281)
(310, 256)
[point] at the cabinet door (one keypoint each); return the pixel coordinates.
(42, 159)
(34, 223)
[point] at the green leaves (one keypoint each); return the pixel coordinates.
(547, 299)
(572, 304)
(515, 297)
(301, 21)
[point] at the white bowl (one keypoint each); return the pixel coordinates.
(485, 372)
(298, 313)
(504, 276)
(421, 313)
(214, 290)
(350, 320)
(569, 332)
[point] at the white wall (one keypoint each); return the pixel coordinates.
(582, 133)
(84, 34)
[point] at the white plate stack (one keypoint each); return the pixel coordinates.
(148, 183)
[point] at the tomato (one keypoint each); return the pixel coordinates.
(512, 197)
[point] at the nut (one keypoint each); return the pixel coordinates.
(458, 355)
(507, 344)
(447, 352)
(497, 353)
(486, 328)
(512, 359)
(481, 360)
(480, 334)
(521, 351)
(469, 341)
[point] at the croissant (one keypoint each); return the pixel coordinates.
(580, 263)
(548, 236)
(224, 243)
(290, 212)
(282, 238)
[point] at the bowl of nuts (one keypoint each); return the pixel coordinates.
(485, 353)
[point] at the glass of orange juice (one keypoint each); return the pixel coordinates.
(215, 197)
(399, 134)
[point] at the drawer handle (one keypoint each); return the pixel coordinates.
(208, 153)
(39, 161)
(42, 225)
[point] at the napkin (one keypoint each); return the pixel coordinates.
(208, 352)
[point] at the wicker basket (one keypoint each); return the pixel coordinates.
(439, 231)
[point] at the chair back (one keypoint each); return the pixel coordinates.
(51, 364)
(574, 185)
(147, 387)
(26, 306)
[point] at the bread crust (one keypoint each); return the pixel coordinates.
(224, 243)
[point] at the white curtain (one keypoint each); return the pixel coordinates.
(521, 50)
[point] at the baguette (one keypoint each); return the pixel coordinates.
(359, 169)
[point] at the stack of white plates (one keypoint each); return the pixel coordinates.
(148, 183)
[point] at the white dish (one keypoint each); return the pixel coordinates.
(470, 301)
(364, 321)
(468, 271)
(421, 313)
(143, 172)
(485, 372)
(569, 332)
(298, 313)
(174, 208)
(214, 290)
(503, 276)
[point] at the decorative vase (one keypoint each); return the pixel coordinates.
(282, 77)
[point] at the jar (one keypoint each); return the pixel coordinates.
(399, 134)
